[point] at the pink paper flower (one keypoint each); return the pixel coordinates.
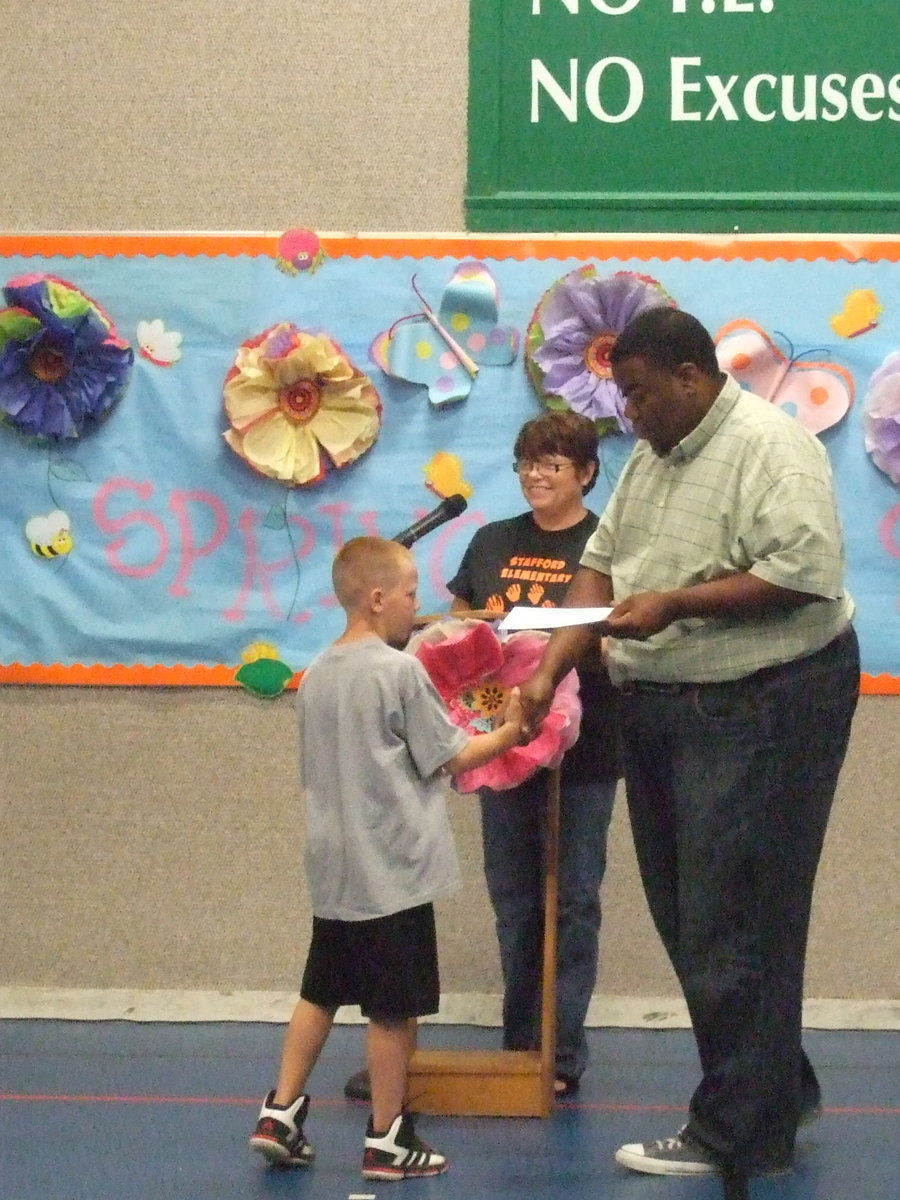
(473, 670)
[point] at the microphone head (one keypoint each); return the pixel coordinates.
(455, 504)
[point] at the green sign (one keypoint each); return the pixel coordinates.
(684, 115)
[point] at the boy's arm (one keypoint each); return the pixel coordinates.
(481, 749)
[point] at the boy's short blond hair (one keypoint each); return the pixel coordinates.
(365, 563)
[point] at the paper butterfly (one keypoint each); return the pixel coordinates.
(818, 394)
(159, 345)
(444, 350)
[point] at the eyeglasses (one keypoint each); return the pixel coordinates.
(543, 466)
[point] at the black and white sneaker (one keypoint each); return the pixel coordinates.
(399, 1154)
(278, 1136)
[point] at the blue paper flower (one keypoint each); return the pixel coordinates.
(62, 364)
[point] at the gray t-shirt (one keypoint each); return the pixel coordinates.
(374, 734)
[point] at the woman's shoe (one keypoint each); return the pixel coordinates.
(358, 1086)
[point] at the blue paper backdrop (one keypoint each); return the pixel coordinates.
(182, 555)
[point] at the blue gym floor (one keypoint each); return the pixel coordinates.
(119, 1111)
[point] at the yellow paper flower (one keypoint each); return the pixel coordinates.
(297, 405)
(257, 650)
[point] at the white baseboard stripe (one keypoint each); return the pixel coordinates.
(477, 1008)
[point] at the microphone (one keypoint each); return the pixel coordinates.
(445, 511)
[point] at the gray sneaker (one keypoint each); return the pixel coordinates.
(667, 1156)
(678, 1155)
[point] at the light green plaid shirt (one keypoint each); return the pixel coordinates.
(748, 490)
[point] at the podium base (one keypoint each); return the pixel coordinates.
(480, 1083)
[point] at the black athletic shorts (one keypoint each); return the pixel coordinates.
(388, 966)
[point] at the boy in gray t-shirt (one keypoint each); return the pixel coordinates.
(375, 741)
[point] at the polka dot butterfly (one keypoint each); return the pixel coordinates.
(444, 350)
(817, 394)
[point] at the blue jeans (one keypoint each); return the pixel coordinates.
(513, 834)
(729, 791)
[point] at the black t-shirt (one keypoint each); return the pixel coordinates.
(515, 562)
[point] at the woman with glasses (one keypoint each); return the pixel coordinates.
(529, 560)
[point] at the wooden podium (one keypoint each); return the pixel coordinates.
(501, 1083)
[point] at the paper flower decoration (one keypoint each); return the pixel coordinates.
(62, 364)
(571, 333)
(297, 405)
(881, 417)
(299, 250)
(473, 671)
(263, 673)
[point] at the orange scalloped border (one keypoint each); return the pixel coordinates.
(879, 685)
(119, 675)
(496, 246)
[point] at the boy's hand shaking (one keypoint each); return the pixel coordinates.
(513, 715)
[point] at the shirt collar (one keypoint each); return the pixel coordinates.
(691, 445)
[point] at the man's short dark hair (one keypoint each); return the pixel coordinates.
(667, 337)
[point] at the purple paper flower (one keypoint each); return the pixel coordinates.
(573, 329)
(881, 417)
(62, 364)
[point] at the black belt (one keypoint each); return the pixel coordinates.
(632, 686)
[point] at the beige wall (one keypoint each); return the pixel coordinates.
(343, 115)
(151, 839)
(146, 840)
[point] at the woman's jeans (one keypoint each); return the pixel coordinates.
(513, 832)
(729, 789)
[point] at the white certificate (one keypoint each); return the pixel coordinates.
(551, 618)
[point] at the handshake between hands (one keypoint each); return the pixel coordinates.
(526, 706)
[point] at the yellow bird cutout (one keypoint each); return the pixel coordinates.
(444, 476)
(860, 314)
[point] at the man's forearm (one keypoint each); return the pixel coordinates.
(567, 646)
(740, 595)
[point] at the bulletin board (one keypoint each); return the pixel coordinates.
(182, 562)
